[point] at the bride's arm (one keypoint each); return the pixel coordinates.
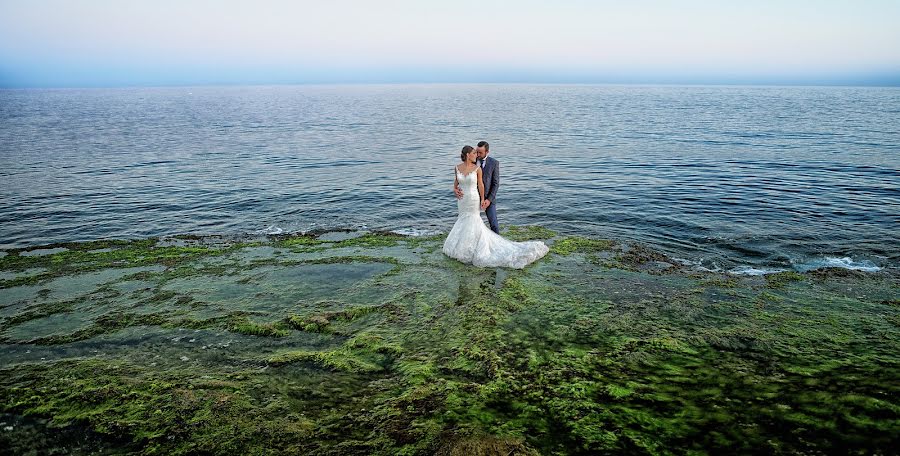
(480, 185)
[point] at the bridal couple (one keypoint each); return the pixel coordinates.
(476, 181)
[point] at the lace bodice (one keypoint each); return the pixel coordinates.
(468, 183)
(468, 180)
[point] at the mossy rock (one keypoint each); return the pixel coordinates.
(204, 354)
(487, 446)
(570, 245)
(528, 233)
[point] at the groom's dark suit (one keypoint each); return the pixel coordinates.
(490, 176)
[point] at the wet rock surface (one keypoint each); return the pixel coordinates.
(375, 343)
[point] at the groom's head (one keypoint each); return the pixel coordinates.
(483, 149)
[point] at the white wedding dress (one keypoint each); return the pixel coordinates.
(471, 241)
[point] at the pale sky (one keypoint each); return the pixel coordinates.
(89, 43)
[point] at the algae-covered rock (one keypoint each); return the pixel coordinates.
(376, 343)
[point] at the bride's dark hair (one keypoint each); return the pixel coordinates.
(465, 151)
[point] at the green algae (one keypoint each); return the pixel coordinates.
(329, 322)
(104, 325)
(338, 360)
(637, 255)
(569, 245)
(364, 353)
(528, 233)
(782, 279)
(311, 242)
(245, 326)
(612, 255)
(720, 282)
(84, 258)
(300, 241)
(38, 311)
(372, 240)
(378, 344)
(207, 416)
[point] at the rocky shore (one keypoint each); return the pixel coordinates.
(376, 343)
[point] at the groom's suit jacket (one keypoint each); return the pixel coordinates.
(490, 176)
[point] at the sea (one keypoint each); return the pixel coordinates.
(739, 179)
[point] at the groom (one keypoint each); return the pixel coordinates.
(490, 175)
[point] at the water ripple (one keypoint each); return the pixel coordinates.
(731, 176)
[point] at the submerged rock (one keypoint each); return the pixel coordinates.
(378, 344)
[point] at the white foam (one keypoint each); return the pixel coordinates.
(415, 232)
(827, 262)
(754, 271)
(697, 265)
(271, 230)
(834, 262)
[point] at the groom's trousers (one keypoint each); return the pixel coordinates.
(491, 213)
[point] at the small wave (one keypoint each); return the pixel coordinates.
(698, 265)
(271, 230)
(754, 271)
(834, 262)
(827, 262)
(415, 232)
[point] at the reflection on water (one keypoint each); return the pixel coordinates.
(724, 176)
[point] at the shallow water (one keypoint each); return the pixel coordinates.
(724, 177)
(382, 345)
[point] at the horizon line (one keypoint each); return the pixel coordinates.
(855, 84)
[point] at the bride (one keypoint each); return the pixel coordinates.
(470, 241)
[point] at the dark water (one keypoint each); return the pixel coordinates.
(728, 177)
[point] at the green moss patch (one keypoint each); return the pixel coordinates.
(569, 245)
(378, 344)
(528, 233)
(781, 279)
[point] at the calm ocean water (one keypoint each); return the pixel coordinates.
(731, 178)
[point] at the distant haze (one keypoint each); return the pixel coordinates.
(102, 43)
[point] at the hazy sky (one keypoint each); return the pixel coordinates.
(64, 43)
